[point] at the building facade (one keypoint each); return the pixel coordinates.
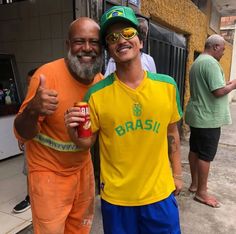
(33, 32)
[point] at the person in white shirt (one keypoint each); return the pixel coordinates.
(147, 61)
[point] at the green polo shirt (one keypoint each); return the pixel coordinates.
(204, 110)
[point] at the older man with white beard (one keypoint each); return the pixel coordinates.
(61, 181)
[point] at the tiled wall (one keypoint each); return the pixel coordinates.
(34, 31)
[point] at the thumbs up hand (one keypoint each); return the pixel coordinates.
(45, 101)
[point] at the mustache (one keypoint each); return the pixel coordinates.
(87, 54)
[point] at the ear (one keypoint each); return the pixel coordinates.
(141, 44)
(67, 44)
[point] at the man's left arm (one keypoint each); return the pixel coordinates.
(174, 156)
(231, 85)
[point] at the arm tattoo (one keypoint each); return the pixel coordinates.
(172, 147)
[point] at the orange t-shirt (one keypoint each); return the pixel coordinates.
(52, 149)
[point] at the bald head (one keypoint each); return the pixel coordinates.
(84, 56)
(213, 40)
(215, 46)
(81, 23)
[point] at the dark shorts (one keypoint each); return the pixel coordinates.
(204, 142)
(157, 218)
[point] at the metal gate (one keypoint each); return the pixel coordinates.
(169, 52)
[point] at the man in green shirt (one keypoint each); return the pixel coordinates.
(207, 111)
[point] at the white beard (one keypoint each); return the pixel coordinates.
(85, 71)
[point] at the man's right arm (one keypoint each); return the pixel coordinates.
(26, 124)
(231, 85)
(44, 102)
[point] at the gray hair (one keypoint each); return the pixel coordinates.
(214, 39)
(143, 28)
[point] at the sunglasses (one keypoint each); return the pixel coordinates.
(126, 33)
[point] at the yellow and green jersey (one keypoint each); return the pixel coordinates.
(132, 126)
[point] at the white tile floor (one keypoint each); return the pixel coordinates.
(12, 191)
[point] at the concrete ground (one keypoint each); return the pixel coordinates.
(197, 218)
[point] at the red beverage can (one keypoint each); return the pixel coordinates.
(84, 128)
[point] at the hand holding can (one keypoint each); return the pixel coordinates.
(84, 128)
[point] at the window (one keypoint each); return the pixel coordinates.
(10, 92)
(9, 1)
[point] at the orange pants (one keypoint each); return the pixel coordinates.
(62, 204)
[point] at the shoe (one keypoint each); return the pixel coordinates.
(22, 206)
(207, 202)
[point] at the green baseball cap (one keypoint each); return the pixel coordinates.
(117, 14)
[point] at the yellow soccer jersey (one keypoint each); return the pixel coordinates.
(132, 126)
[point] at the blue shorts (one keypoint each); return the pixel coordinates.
(158, 218)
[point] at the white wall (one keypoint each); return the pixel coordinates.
(8, 142)
(215, 19)
(232, 95)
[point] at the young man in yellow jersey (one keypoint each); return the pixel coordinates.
(133, 112)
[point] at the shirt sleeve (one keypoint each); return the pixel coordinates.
(214, 76)
(93, 115)
(148, 63)
(152, 65)
(177, 110)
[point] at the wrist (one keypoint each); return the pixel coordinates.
(31, 111)
(178, 176)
